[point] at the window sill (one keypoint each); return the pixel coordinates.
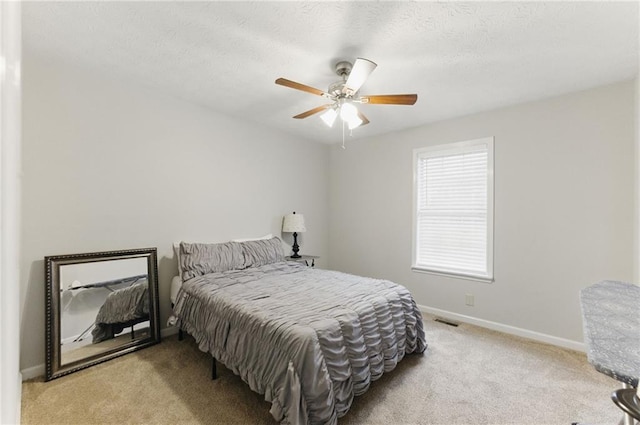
(452, 275)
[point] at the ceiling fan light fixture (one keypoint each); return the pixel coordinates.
(348, 112)
(329, 117)
(350, 115)
(354, 122)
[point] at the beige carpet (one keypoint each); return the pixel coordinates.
(468, 375)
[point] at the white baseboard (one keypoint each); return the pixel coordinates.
(168, 331)
(32, 372)
(36, 371)
(511, 330)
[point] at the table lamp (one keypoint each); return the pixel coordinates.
(294, 223)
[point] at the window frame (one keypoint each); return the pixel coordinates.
(461, 147)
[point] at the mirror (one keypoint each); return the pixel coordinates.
(99, 306)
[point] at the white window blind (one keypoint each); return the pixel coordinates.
(454, 209)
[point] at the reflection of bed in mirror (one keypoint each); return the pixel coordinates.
(122, 309)
(126, 305)
(100, 300)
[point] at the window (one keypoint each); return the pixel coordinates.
(453, 209)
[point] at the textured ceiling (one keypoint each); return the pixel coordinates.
(460, 58)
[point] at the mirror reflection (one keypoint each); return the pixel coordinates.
(102, 305)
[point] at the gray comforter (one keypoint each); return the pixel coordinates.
(122, 308)
(308, 339)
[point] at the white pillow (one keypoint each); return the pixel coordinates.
(176, 251)
(267, 236)
(176, 284)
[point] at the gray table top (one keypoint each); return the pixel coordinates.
(611, 321)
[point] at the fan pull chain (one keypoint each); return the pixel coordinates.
(343, 124)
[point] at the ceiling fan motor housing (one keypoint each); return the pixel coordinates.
(343, 68)
(335, 89)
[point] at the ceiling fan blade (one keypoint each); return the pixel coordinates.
(390, 99)
(364, 119)
(358, 75)
(298, 86)
(313, 111)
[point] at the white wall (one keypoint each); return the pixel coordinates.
(10, 99)
(564, 208)
(111, 165)
(636, 114)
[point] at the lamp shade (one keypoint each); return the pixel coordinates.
(293, 223)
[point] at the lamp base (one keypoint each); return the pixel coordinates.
(295, 246)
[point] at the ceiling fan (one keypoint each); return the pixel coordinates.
(344, 94)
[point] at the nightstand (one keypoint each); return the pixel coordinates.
(304, 259)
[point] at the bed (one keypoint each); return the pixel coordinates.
(308, 339)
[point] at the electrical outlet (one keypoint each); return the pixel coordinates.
(468, 298)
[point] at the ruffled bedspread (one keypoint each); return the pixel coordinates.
(308, 339)
(122, 308)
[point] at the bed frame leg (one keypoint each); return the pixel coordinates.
(214, 372)
(180, 334)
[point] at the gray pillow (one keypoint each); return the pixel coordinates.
(197, 259)
(266, 251)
